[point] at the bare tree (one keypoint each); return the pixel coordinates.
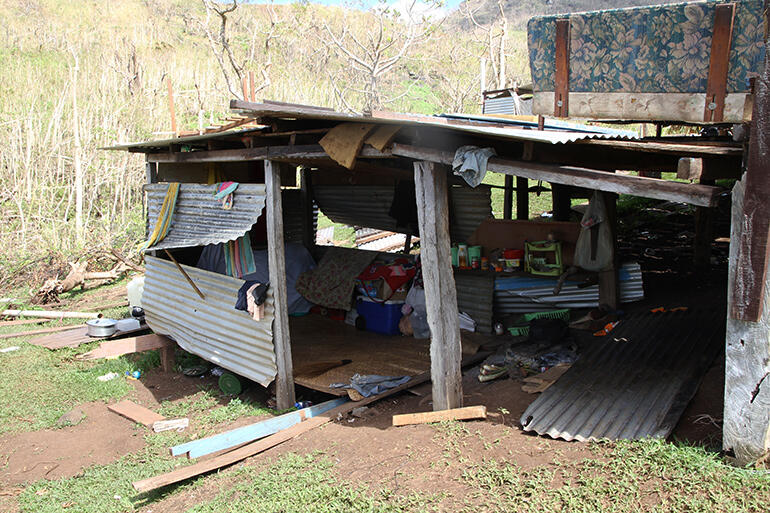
(494, 39)
(234, 69)
(373, 53)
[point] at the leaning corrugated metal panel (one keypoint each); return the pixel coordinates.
(199, 219)
(211, 328)
(633, 383)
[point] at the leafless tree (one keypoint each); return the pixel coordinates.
(374, 53)
(234, 69)
(495, 37)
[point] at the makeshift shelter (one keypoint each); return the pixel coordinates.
(353, 169)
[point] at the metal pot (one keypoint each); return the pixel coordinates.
(101, 327)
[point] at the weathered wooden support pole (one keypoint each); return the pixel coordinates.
(704, 236)
(746, 427)
(508, 197)
(440, 294)
(276, 258)
(522, 198)
(562, 202)
(308, 221)
(609, 287)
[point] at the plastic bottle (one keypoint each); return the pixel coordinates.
(303, 404)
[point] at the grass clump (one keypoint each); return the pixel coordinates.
(304, 484)
(642, 476)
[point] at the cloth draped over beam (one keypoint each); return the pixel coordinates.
(163, 222)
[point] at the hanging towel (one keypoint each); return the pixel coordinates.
(163, 222)
(239, 259)
(225, 192)
(470, 162)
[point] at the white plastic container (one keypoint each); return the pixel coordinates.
(135, 290)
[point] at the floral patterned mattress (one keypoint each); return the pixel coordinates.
(660, 49)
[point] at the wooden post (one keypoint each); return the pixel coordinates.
(440, 294)
(522, 198)
(609, 292)
(508, 197)
(308, 224)
(284, 389)
(746, 426)
(562, 203)
(704, 235)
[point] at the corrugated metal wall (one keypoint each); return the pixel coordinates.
(293, 213)
(368, 205)
(474, 297)
(211, 328)
(199, 219)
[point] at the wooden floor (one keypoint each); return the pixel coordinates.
(318, 346)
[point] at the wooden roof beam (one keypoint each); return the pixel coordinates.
(279, 153)
(694, 194)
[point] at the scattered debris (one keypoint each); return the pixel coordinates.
(108, 377)
(359, 412)
(72, 418)
(167, 425)
(539, 382)
(467, 413)
(49, 314)
(136, 413)
(9, 349)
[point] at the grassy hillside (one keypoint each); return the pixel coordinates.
(111, 58)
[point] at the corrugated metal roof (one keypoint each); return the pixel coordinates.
(199, 219)
(183, 140)
(211, 328)
(633, 383)
(521, 294)
(369, 205)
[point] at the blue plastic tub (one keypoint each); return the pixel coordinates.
(380, 317)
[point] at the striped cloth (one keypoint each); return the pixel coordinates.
(239, 259)
(163, 222)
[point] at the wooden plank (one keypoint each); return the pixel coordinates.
(245, 434)
(297, 152)
(277, 270)
(440, 292)
(668, 148)
(719, 62)
(609, 284)
(467, 413)
(752, 233)
(119, 347)
(699, 195)
(23, 321)
(70, 338)
(40, 331)
(253, 448)
(644, 107)
(343, 142)
(308, 224)
(522, 198)
(561, 72)
(508, 197)
(136, 413)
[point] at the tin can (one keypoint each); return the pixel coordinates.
(484, 264)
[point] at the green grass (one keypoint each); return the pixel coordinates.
(649, 475)
(209, 411)
(304, 484)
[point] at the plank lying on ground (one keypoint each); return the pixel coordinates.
(232, 438)
(467, 413)
(38, 332)
(23, 321)
(695, 194)
(253, 448)
(49, 314)
(77, 336)
(133, 411)
(131, 345)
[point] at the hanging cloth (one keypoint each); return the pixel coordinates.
(239, 258)
(225, 192)
(163, 223)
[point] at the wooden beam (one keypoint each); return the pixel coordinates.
(467, 413)
(609, 284)
(561, 202)
(522, 198)
(719, 61)
(440, 293)
(699, 195)
(689, 168)
(508, 197)
(308, 225)
(561, 72)
(694, 150)
(284, 391)
(280, 153)
(135, 412)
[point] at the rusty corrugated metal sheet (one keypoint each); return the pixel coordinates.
(368, 205)
(634, 382)
(199, 219)
(211, 328)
